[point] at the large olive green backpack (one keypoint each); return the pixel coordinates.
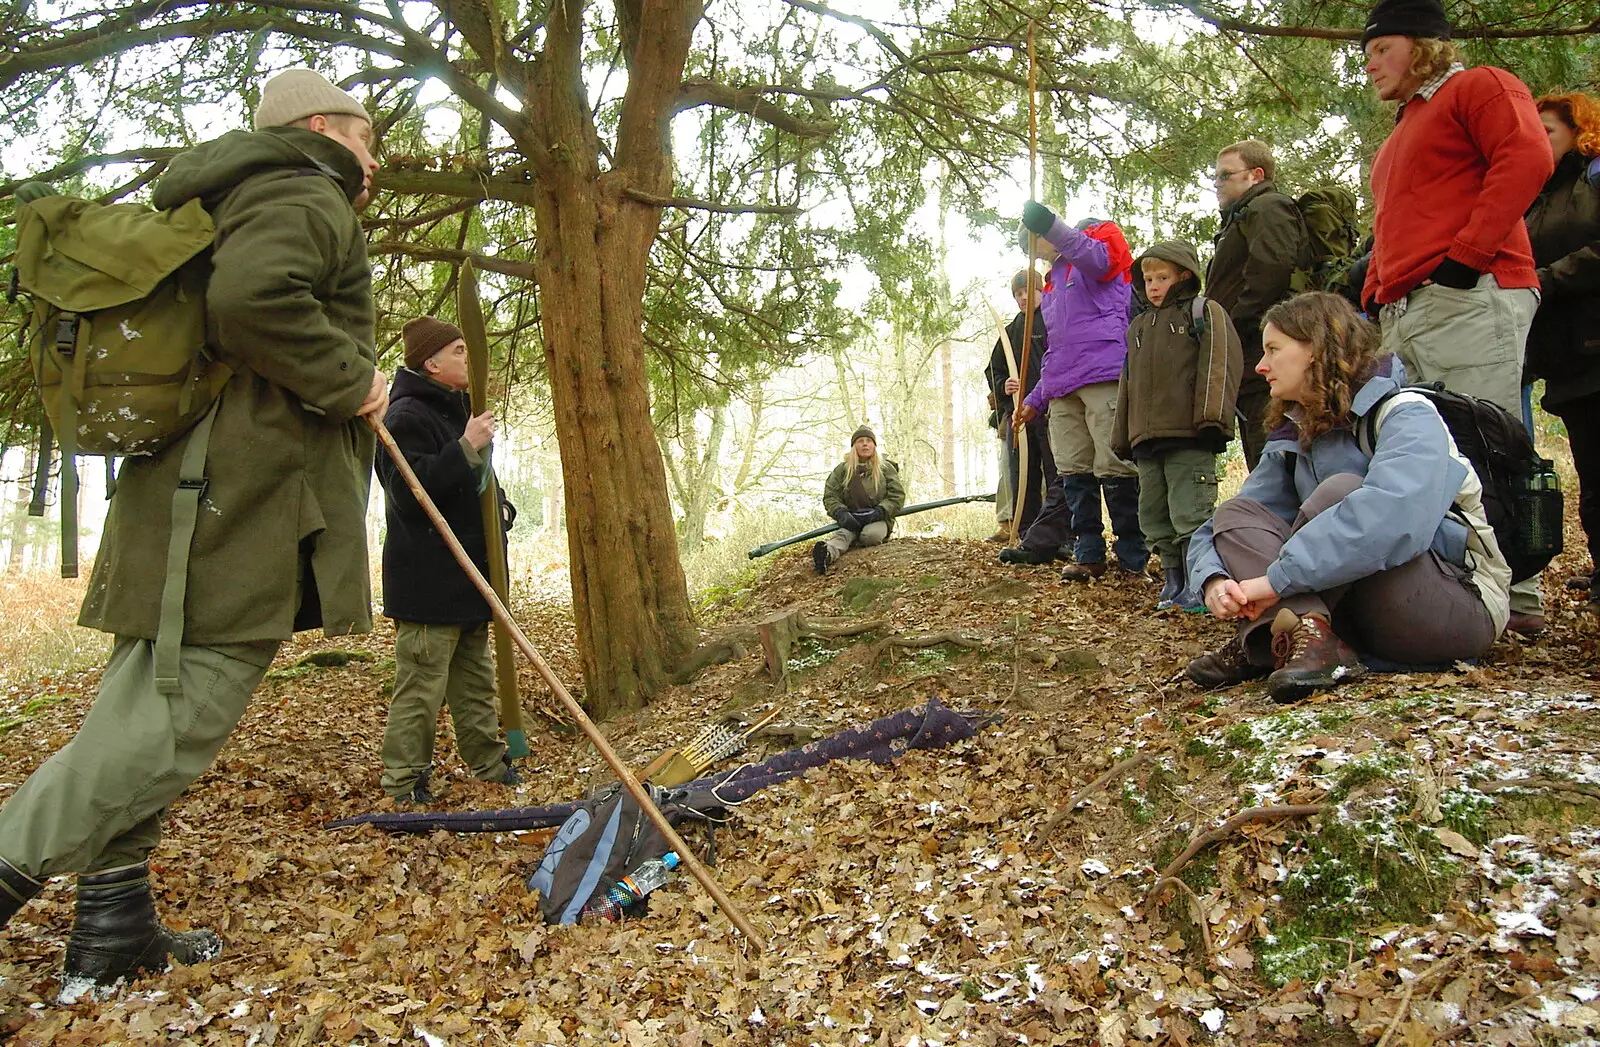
(115, 329)
(1331, 214)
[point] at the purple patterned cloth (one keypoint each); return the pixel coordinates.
(927, 727)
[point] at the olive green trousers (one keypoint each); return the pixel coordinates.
(98, 803)
(438, 665)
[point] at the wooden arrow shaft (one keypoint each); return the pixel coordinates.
(609, 755)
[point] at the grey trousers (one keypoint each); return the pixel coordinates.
(1420, 613)
(97, 804)
(842, 539)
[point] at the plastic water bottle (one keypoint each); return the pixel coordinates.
(652, 874)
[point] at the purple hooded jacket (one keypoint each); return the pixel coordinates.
(1085, 318)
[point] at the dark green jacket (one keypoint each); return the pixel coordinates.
(289, 465)
(1175, 385)
(1262, 239)
(891, 498)
(1564, 228)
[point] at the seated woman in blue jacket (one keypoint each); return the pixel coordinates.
(1332, 547)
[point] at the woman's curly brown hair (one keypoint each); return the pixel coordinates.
(1344, 353)
(1579, 112)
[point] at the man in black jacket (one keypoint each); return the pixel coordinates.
(441, 620)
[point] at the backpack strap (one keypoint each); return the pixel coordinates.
(192, 484)
(72, 336)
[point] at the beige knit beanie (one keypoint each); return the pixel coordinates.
(298, 93)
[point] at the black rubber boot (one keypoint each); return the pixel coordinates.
(16, 888)
(1122, 503)
(1171, 587)
(116, 935)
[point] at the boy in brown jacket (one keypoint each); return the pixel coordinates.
(1175, 405)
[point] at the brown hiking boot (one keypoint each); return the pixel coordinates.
(1310, 657)
(1082, 572)
(1225, 666)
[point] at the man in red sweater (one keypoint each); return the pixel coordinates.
(1452, 277)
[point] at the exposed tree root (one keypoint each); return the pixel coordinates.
(1203, 840)
(1095, 786)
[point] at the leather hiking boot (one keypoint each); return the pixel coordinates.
(1224, 667)
(115, 935)
(1001, 536)
(1579, 583)
(1019, 555)
(1525, 625)
(1171, 588)
(1082, 572)
(512, 776)
(1310, 657)
(16, 887)
(819, 557)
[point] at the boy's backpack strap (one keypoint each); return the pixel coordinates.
(1198, 321)
(185, 512)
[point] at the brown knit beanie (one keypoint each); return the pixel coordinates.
(298, 93)
(864, 431)
(425, 336)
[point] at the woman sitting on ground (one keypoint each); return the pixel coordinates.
(1339, 545)
(863, 494)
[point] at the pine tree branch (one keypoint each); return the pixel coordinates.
(423, 252)
(1220, 20)
(693, 204)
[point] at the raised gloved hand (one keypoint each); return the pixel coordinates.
(846, 519)
(1451, 273)
(1037, 218)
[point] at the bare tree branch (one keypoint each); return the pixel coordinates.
(1220, 20)
(698, 91)
(690, 203)
(523, 270)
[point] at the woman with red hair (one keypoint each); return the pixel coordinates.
(1564, 343)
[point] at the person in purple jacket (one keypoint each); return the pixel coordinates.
(1087, 301)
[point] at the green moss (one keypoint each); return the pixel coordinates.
(1137, 804)
(1240, 737)
(1356, 875)
(971, 991)
(929, 581)
(1198, 746)
(1377, 767)
(860, 593)
(1468, 812)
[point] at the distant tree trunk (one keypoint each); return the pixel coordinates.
(947, 452)
(18, 531)
(630, 599)
(702, 481)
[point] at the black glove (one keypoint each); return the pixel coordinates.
(508, 512)
(873, 515)
(1451, 273)
(844, 518)
(1213, 439)
(1037, 218)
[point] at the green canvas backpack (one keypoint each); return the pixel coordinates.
(1330, 213)
(115, 331)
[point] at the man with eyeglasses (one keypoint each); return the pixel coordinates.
(1261, 240)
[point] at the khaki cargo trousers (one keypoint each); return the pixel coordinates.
(438, 665)
(98, 803)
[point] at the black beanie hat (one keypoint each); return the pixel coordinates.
(1413, 18)
(863, 431)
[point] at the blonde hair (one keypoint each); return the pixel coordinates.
(1344, 353)
(1431, 56)
(1252, 153)
(1150, 260)
(874, 468)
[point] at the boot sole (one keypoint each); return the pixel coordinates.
(1287, 690)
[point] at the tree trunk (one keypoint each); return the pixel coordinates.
(630, 600)
(947, 448)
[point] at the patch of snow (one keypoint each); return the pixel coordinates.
(1213, 1019)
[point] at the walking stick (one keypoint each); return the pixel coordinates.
(470, 313)
(503, 617)
(1027, 322)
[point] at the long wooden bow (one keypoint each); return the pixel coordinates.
(1028, 307)
(1021, 486)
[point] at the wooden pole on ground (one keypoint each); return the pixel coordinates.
(470, 312)
(503, 617)
(1028, 310)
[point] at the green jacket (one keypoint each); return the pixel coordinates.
(1176, 384)
(289, 465)
(1262, 239)
(836, 494)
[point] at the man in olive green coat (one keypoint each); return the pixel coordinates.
(280, 539)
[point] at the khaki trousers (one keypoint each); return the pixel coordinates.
(1473, 341)
(97, 803)
(1080, 432)
(1177, 492)
(438, 665)
(840, 541)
